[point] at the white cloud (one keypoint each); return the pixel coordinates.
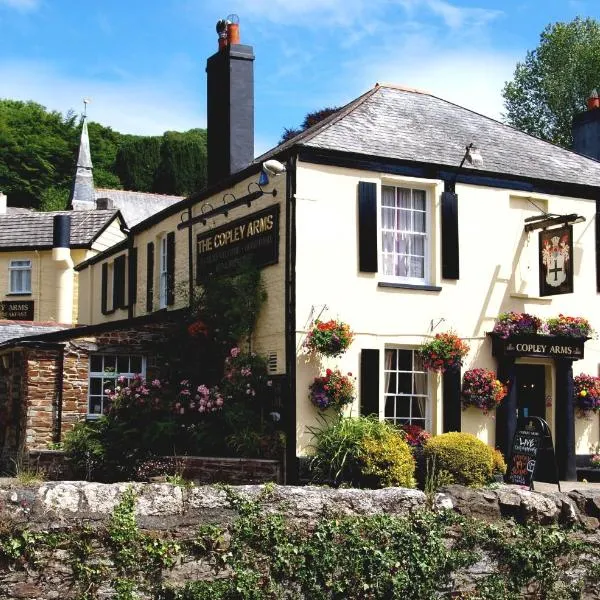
(457, 17)
(128, 106)
(23, 5)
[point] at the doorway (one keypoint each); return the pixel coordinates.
(531, 391)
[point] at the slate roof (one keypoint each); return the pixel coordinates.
(10, 330)
(402, 123)
(137, 206)
(34, 229)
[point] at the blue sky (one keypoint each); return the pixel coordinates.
(142, 61)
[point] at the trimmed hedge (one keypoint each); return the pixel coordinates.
(467, 459)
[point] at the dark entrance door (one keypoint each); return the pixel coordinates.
(531, 391)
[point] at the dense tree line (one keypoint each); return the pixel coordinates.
(38, 153)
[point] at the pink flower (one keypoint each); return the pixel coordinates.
(156, 383)
(235, 352)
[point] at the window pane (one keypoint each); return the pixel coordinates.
(96, 363)
(136, 364)
(388, 195)
(108, 385)
(95, 386)
(417, 267)
(389, 408)
(390, 359)
(388, 242)
(419, 199)
(402, 407)
(404, 220)
(418, 245)
(110, 364)
(419, 222)
(123, 364)
(391, 383)
(403, 198)
(404, 360)
(95, 405)
(418, 408)
(404, 383)
(420, 381)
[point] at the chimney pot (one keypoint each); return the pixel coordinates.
(593, 102)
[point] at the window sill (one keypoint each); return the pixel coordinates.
(20, 294)
(410, 286)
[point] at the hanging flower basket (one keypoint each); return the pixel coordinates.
(445, 352)
(333, 390)
(329, 338)
(563, 325)
(586, 391)
(481, 388)
(514, 323)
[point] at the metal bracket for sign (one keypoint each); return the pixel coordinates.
(548, 220)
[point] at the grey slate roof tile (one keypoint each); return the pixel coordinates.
(137, 206)
(10, 330)
(34, 229)
(399, 123)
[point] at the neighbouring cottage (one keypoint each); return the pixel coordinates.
(401, 214)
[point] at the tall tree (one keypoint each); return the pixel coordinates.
(551, 86)
(312, 118)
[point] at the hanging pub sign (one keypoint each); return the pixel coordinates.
(17, 311)
(556, 261)
(255, 237)
(532, 454)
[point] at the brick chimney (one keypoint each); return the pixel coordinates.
(230, 103)
(586, 129)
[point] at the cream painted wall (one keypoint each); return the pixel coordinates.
(109, 237)
(270, 331)
(498, 273)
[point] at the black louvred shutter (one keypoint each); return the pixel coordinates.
(119, 282)
(450, 256)
(149, 276)
(133, 276)
(369, 382)
(367, 227)
(171, 268)
(104, 288)
(598, 245)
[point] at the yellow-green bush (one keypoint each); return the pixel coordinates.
(467, 459)
(499, 464)
(387, 461)
(361, 451)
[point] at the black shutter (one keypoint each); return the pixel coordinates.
(369, 382)
(450, 257)
(452, 409)
(104, 290)
(170, 268)
(149, 276)
(132, 279)
(119, 282)
(367, 227)
(598, 245)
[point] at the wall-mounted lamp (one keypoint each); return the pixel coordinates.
(226, 212)
(203, 221)
(270, 168)
(472, 156)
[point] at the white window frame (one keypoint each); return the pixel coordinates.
(163, 277)
(108, 377)
(428, 235)
(19, 266)
(413, 395)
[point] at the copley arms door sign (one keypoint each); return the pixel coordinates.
(556, 261)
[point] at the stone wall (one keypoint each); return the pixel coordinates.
(176, 513)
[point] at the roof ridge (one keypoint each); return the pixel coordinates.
(136, 192)
(405, 88)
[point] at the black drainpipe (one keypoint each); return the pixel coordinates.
(291, 471)
(190, 260)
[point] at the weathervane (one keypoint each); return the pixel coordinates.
(86, 101)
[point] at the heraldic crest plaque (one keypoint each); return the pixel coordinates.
(556, 261)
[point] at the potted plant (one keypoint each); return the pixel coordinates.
(330, 338)
(514, 323)
(586, 391)
(481, 388)
(333, 390)
(446, 351)
(568, 326)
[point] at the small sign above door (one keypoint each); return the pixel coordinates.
(542, 346)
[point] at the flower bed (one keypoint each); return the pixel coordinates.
(333, 390)
(330, 338)
(445, 352)
(514, 323)
(481, 388)
(568, 326)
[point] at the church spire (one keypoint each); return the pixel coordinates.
(83, 195)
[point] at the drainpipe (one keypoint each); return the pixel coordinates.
(65, 275)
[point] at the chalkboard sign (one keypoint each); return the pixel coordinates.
(532, 453)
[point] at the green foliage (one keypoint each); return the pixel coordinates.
(84, 448)
(363, 452)
(54, 198)
(136, 162)
(311, 118)
(553, 82)
(467, 459)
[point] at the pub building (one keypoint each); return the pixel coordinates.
(401, 214)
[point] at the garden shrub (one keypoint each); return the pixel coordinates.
(363, 452)
(467, 459)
